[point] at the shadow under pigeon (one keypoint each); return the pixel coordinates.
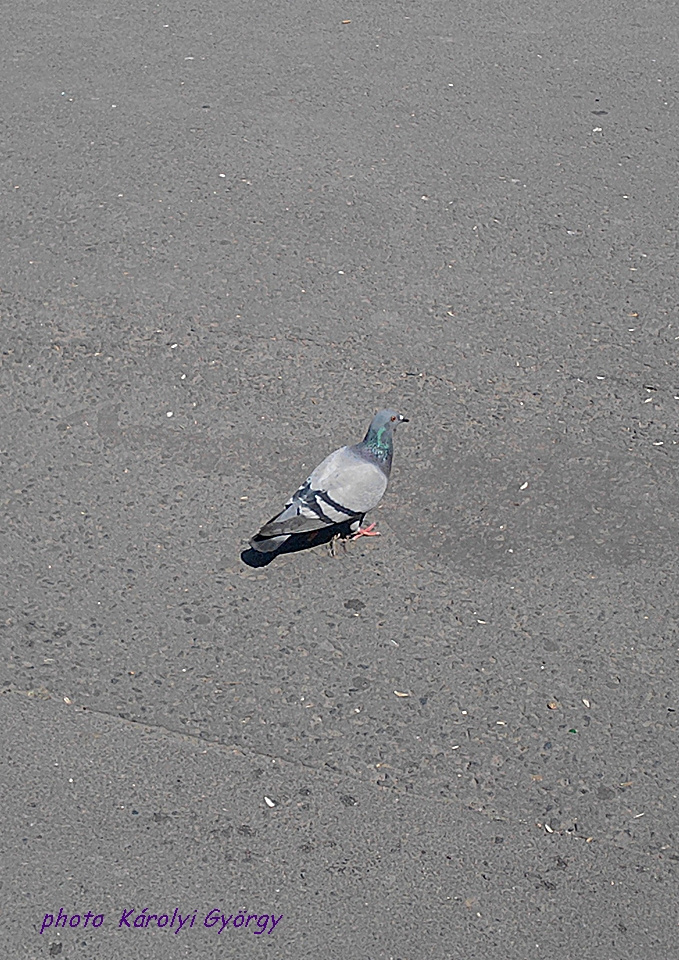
(296, 543)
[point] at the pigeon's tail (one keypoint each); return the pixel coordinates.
(267, 544)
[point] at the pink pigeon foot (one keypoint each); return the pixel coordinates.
(367, 532)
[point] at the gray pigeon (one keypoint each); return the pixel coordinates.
(342, 489)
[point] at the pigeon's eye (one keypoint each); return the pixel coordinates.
(392, 419)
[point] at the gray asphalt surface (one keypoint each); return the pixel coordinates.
(230, 234)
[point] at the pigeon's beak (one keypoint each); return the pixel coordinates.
(403, 419)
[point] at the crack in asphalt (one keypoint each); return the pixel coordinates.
(246, 752)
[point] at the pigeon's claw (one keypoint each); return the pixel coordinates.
(368, 531)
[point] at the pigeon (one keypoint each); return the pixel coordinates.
(341, 489)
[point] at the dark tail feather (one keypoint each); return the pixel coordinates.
(267, 544)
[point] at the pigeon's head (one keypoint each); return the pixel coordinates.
(387, 418)
(382, 426)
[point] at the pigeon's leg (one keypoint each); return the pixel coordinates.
(368, 531)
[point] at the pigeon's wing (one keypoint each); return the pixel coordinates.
(343, 487)
(350, 480)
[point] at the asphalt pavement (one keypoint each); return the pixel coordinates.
(230, 235)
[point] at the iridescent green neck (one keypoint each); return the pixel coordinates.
(378, 444)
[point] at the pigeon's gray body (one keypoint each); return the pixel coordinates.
(348, 483)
